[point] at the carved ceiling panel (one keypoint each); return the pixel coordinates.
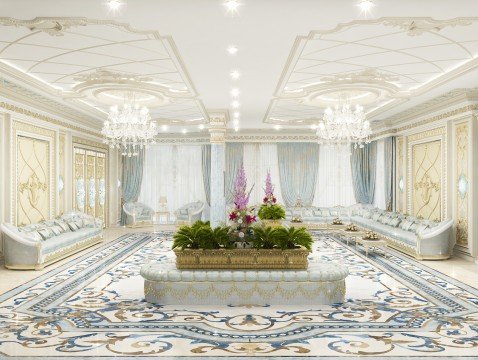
(376, 63)
(99, 63)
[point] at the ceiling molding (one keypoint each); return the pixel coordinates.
(179, 102)
(320, 65)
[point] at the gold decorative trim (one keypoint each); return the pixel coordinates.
(35, 115)
(242, 258)
(91, 143)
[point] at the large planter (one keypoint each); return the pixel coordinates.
(257, 259)
(272, 223)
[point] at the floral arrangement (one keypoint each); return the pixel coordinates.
(270, 210)
(351, 227)
(337, 221)
(242, 216)
(370, 235)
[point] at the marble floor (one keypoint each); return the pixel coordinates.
(91, 305)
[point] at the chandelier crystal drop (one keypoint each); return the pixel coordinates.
(129, 128)
(344, 125)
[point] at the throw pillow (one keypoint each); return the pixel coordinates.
(45, 233)
(376, 216)
(56, 230)
(64, 226)
(420, 228)
(73, 226)
(395, 222)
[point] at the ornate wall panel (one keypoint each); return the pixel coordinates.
(90, 180)
(427, 174)
(34, 181)
(461, 183)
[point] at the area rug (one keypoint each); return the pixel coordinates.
(93, 307)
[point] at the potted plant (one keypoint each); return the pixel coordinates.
(270, 212)
(201, 247)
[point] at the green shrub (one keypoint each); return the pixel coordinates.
(264, 237)
(200, 235)
(271, 212)
(292, 237)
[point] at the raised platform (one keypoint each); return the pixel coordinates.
(320, 284)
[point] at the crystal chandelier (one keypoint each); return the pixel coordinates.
(129, 128)
(344, 125)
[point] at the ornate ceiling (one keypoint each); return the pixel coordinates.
(295, 57)
(99, 63)
(377, 63)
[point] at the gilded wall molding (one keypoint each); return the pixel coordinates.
(427, 174)
(35, 115)
(92, 143)
(33, 150)
(461, 183)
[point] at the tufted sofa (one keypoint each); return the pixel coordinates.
(138, 214)
(190, 213)
(423, 239)
(36, 245)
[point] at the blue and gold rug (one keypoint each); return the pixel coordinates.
(93, 307)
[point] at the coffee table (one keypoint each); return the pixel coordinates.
(374, 245)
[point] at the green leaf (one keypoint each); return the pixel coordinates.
(271, 212)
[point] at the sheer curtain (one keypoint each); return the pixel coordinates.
(298, 167)
(174, 171)
(258, 159)
(379, 196)
(334, 179)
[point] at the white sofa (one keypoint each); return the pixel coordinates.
(35, 246)
(423, 239)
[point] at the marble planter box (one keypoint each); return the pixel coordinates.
(242, 258)
(320, 284)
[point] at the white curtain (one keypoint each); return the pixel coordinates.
(174, 171)
(334, 179)
(258, 159)
(379, 195)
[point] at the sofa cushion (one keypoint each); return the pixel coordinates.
(63, 225)
(367, 214)
(56, 230)
(405, 224)
(376, 216)
(68, 238)
(73, 226)
(45, 233)
(395, 222)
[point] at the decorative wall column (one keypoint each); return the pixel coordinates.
(217, 131)
(473, 194)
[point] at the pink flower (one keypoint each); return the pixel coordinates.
(250, 219)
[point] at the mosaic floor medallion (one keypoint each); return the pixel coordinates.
(93, 307)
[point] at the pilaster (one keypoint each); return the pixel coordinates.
(217, 131)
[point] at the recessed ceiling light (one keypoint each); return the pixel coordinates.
(365, 6)
(235, 104)
(234, 92)
(236, 114)
(232, 5)
(236, 122)
(313, 126)
(232, 49)
(114, 5)
(277, 127)
(236, 128)
(235, 74)
(164, 127)
(201, 127)
(184, 131)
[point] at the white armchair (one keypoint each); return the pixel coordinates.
(138, 214)
(190, 213)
